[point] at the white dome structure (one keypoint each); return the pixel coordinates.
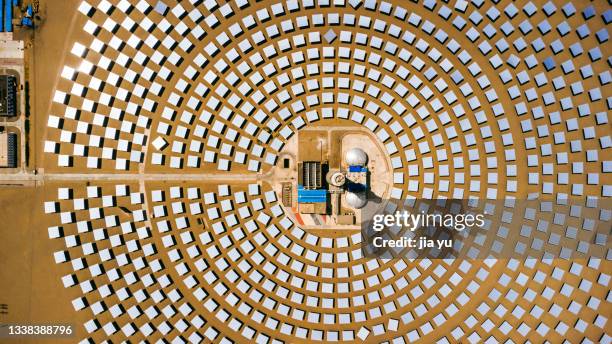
(356, 200)
(356, 157)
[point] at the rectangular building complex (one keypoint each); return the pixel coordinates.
(8, 95)
(8, 150)
(310, 175)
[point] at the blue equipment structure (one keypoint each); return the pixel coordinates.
(311, 196)
(1, 17)
(8, 16)
(27, 21)
(353, 186)
(357, 168)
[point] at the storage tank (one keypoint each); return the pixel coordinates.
(356, 200)
(335, 178)
(356, 157)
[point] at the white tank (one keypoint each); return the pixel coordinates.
(335, 178)
(356, 200)
(356, 157)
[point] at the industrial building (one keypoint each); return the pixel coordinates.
(311, 190)
(312, 201)
(8, 149)
(309, 174)
(312, 196)
(8, 96)
(6, 15)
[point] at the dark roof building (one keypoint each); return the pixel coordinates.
(8, 95)
(8, 150)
